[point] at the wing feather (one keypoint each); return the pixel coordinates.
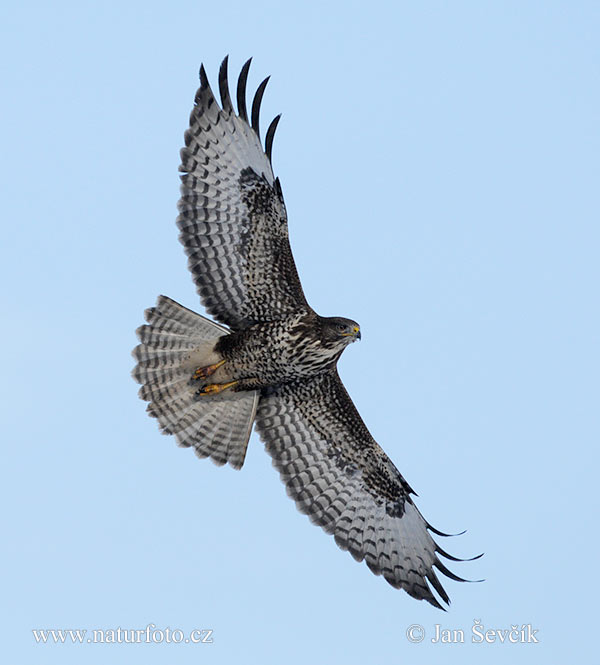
(224, 87)
(241, 90)
(231, 209)
(256, 106)
(271, 135)
(344, 482)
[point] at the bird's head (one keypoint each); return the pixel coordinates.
(339, 332)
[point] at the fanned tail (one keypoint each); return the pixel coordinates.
(174, 343)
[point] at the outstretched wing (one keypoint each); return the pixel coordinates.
(232, 217)
(338, 476)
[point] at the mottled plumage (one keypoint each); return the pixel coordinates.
(275, 362)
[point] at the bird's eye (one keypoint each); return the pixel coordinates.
(341, 327)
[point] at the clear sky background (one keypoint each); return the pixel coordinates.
(440, 163)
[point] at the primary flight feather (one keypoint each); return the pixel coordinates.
(273, 360)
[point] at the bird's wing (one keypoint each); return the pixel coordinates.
(339, 476)
(232, 217)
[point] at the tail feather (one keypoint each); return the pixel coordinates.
(163, 340)
(159, 394)
(159, 360)
(167, 313)
(174, 342)
(153, 380)
(156, 385)
(226, 428)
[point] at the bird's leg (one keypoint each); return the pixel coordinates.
(205, 372)
(215, 388)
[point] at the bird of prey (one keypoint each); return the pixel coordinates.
(271, 359)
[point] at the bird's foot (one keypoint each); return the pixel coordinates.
(205, 372)
(215, 388)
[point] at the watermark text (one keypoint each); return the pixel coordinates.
(523, 633)
(151, 634)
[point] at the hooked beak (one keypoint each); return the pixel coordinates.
(355, 334)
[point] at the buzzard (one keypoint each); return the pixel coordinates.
(271, 360)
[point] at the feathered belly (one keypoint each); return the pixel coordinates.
(275, 353)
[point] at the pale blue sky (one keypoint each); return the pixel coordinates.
(440, 164)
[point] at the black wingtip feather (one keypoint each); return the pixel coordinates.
(433, 601)
(271, 136)
(445, 535)
(226, 103)
(436, 584)
(241, 90)
(256, 106)
(203, 77)
(448, 573)
(450, 557)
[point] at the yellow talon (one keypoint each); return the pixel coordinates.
(205, 372)
(214, 388)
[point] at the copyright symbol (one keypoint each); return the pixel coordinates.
(415, 633)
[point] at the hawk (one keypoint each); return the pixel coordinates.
(271, 359)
